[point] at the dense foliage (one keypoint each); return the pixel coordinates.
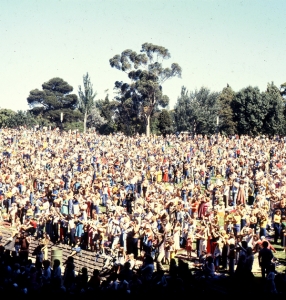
(54, 99)
(143, 96)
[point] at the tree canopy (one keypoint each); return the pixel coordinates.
(54, 99)
(12, 119)
(249, 109)
(165, 122)
(226, 124)
(197, 111)
(140, 106)
(139, 98)
(274, 118)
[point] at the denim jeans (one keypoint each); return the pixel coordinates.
(234, 197)
(277, 230)
(104, 199)
(31, 198)
(236, 229)
(231, 264)
(184, 197)
(132, 187)
(262, 232)
(20, 188)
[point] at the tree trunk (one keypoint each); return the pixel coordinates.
(84, 122)
(148, 126)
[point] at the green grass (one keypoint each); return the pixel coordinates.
(281, 256)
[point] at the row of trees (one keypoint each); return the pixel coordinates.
(141, 107)
(248, 111)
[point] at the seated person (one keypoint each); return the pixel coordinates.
(76, 249)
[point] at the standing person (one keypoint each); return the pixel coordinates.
(236, 223)
(56, 274)
(253, 221)
(45, 244)
(271, 286)
(161, 251)
(129, 198)
(263, 224)
(46, 272)
(147, 269)
(241, 199)
(277, 225)
(249, 260)
(201, 240)
(226, 193)
(176, 236)
(145, 184)
(283, 232)
(104, 194)
(115, 232)
(79, 227)
(24, 246)
(231, 259)
(217, 254)
(71, 230)
(189, 245)
(134, 238)
(166, 175)
(265, 257)
(147, 240)
(235, 188)
(69, 275)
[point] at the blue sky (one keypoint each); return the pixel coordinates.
(215, 42)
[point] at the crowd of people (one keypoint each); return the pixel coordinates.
(216, 199)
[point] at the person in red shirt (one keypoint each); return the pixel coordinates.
(32, 226)
(263, 239)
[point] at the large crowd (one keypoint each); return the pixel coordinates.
(215, 200)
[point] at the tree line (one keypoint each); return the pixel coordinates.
(140, 105)
(248, 111)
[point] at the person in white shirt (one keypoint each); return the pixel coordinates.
(115, 234)
(45, 206)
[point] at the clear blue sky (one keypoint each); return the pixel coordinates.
(215, 41)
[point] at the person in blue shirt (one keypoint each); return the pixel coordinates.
(55, 193)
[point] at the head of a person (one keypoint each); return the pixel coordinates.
(56, 263)
(265, 244)
(149, 259)
(127, 265)
(244, 244)
(46, 264)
